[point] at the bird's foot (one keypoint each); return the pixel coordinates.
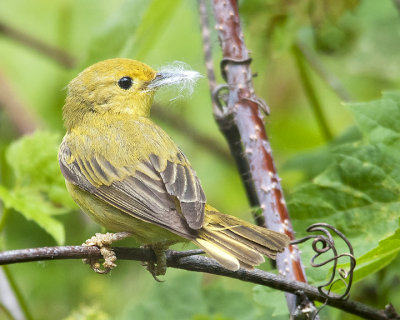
(159, 267)
(103, 241)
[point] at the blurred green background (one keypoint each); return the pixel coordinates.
(314, 59)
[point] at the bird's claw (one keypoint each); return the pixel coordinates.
(103, 242)
(159, 267)
(152, 268)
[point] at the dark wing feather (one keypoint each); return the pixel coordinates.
(134, 197)
(181, 182)
(147, 193)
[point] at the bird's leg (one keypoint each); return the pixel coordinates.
(104, 241)
(159, 267)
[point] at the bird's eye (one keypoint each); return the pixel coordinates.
(125, 83)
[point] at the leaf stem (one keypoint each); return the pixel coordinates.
(326, 76)
(310, 93)
(18, 293)
(3, 219)
(6, 312)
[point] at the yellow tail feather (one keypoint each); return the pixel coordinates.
(224, 258)
(234, 242)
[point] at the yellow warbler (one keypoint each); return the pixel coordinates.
(128, 175)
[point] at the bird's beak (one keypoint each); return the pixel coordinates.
(159, 80)
(173, 76)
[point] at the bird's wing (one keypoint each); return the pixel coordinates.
(181, 181)
(161, 192)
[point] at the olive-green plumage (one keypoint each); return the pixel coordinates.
(127, 174)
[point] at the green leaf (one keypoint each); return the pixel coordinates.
(271, 299)
(39, 192)
(34, 161)
(331, 11)
(333, 30)
(185, 297)
(359, 193)
(316, 161)
(379, 120)
(34, 158)
(383, 254)
(229, 304)
(85, 312)
(33, 207)
(373, 260)
(171, 301)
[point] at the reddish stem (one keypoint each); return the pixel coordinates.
(241, 120)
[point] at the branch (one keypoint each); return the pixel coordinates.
(58, 55)
(189, 260)
(241, 121)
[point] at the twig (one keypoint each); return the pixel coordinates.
(60, 56)
(241, 121)
(187, 260)
(311, 95)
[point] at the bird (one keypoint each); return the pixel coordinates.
(129, 176)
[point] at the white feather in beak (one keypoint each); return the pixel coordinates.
(177, 73)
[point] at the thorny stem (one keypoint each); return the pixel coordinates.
(311, 95)
(241, 121)
(188, 260)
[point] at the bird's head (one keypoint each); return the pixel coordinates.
(116, 86)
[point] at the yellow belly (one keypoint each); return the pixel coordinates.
(117, 220)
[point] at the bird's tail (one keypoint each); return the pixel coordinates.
(236, 243)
